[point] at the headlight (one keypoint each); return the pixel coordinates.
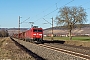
(40, 34)
(34, 34)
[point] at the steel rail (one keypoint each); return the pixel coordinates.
(73, 53)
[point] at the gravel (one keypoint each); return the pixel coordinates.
(49, 54)
(80, 49)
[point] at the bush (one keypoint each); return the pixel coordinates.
(4, 33)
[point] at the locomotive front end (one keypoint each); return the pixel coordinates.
(38, 34)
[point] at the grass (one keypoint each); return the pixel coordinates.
(67, 38)
(1, 42)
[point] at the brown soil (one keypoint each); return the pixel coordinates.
(9, 51)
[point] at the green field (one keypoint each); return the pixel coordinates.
(67, 38)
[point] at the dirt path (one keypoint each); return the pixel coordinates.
(9, 51)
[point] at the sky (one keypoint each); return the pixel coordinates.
(37, 11)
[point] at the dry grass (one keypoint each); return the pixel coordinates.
(9, 51)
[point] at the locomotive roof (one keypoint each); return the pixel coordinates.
(36, 28)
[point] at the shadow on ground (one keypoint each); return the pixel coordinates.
(28, 51)
(54, 41)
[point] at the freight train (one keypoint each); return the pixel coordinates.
(34, 34)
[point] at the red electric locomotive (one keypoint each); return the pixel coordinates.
(34, 34)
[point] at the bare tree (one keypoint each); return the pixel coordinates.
(69, 16)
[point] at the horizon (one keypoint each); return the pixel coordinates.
(29, 28)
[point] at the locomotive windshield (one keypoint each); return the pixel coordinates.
(39, 30)
(36, 30)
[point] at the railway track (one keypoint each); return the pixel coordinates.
(76, 54)
(42, 50)
(27, 50)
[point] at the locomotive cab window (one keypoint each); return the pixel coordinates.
(35, 30)
(39, 30)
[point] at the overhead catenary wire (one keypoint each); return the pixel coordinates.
(45, 15)
(64, 5)
(48, 8)
(25, 20)
(38, 14)
(53, 11)
(48, 13)
(47, 21)
(68, 2)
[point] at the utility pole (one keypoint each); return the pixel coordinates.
(19, 26)
(52, 28)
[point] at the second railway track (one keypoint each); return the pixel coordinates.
(76, 54)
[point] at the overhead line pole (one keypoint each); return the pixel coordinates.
(19, 26)
(52, 28)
